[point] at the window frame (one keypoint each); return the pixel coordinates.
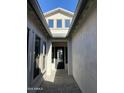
(36, 69)
(66, 25)
(57, 23)
(50, 24)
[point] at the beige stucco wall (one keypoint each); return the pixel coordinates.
(84, 54)
(59, 32)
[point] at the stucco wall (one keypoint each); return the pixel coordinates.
(69, 57)
(84, 54)
(35, 29)
(49, 58)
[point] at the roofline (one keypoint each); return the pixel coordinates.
(39, 12)
(56, 9)
(80, 7)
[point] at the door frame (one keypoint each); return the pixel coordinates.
(56, 48)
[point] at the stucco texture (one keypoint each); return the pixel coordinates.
(84, 54)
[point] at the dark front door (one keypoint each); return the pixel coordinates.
(59, 58)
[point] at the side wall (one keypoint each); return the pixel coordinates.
(69, 57)
(34, 30)
(84, 54)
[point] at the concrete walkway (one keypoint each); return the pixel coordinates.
(59, 82)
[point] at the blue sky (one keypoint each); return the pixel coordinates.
(47, 5)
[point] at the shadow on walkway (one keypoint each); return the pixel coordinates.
(62, 83)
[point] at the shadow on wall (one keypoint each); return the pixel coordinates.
(37, 66)
(57, 82)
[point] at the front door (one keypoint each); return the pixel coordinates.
(59, 57)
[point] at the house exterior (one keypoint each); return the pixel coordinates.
(38, 43)
(52, 46)
(59, 21)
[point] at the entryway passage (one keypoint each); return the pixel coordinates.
(59, 56)
(59, 53)
(62, 83)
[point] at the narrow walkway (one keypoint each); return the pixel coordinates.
(59, 82)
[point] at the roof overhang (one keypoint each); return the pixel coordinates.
(79, 9)
(38, 11)
(57, 10)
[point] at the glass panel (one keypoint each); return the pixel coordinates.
(27, 43)
(59, 58)
(59, 55)
(67, 23)
(59, 23)
(36, 55)
(50, 23)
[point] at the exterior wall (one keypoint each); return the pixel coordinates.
(84, 54)
(35, 29)
(69, 57)
(49, 58)
(65, 60)
(59, 32)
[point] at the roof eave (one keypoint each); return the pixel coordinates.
(40, 14)
(80, 7)
(59, 9)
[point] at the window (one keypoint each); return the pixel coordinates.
(59, 23)
(53, 48)
(67, 23)
(36, 55)
(28, 46)
(27, 40)
(50, 23)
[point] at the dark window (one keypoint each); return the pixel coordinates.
(36, 55)
(59, 23)
(27, 43)
(67, 23)
(28, 63)
(53, 56)
(44, 53)
(50, 23)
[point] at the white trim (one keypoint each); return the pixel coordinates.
(59, 9)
